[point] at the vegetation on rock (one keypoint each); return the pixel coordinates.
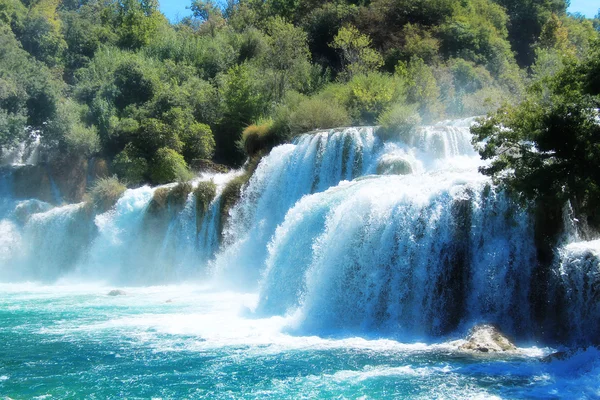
(105, 192)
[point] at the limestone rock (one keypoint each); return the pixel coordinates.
(487, 339)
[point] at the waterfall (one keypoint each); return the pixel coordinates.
(338, 230)
(575, 300)
(128, 244)
(311, 164)
(411, 256)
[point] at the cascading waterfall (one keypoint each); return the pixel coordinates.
(311, 164)
(576, 296)
(412, 256)
(338, 230)
(125, 245)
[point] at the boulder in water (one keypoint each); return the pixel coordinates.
(117, 292)
(394, 166)
(487, 339)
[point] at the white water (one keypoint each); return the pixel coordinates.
(326, 238)
(123, 245)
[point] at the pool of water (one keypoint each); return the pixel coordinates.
(75, 341)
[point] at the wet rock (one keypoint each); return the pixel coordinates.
(559, 355)
(394, 166)
(487, 339)
(117, 292)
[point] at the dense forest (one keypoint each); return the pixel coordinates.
(117, 80)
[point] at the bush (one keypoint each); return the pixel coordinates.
(257, 137)
(198, 142)
(398, 121)
(168, 166)
(370, 95)
(317, 113)
(105, 192)
(129, 166)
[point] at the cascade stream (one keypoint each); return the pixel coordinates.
(341, 231)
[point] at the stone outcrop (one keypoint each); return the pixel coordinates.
(487, 339)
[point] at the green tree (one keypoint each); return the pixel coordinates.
(358, 55)
(547, 148)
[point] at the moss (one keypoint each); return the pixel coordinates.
(205, 193)
(106, 192)
(233, 190)
(173, 197)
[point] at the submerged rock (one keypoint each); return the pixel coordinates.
(487, 339)
(117, 292)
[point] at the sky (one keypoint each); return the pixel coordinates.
(176, 9)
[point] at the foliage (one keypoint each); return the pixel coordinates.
(358, 55)
(398, 121)
(105, 192)
(130, 165)
(547, 147)
(115, 79)
(317, 113)
(168, 166)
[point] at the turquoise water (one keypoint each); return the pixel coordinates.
(74, 341)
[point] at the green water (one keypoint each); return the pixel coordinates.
(189, 342)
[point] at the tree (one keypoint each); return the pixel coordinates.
(548, 147)
(358, 56)
(287, 55)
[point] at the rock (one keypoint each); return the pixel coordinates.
(559, 355)
(117, 292)
(487, 339)
(394, 166)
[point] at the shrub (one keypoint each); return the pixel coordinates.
(398, 121)
(105, 192)
(317, 113)
(198, 142)
(168, 166)
(257, 137)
